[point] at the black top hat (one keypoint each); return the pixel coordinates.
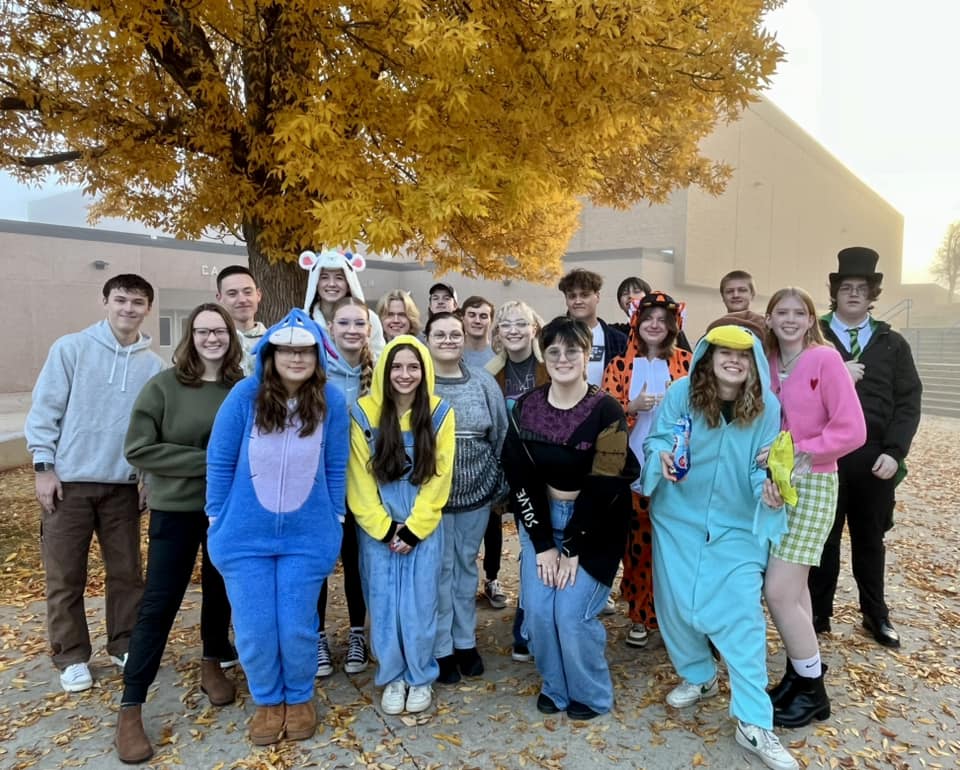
(857, 262)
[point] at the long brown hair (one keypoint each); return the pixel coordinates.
(390, 457)
(814, 335)
(705, 392)
(669, 344)
(366, 355)
(271, 410)
(188, 366)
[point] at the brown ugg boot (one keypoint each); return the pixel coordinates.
(266, 727)
(218, 687)
(133, 746)
(301, 721)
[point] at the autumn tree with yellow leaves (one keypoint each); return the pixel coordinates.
(462, 131)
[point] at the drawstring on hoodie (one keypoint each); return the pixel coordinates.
(126, 366)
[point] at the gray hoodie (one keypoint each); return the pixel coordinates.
(82, 402)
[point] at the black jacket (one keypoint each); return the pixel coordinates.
(890, 389)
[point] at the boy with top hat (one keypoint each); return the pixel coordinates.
(881, 365)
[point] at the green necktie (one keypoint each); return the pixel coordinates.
(854, 342)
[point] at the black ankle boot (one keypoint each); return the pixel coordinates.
(778, 691)
(803, 702)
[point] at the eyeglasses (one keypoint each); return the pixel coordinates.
(555, 354)
(221, 333)
(856, 289)
(441, 337)
(345, 323)
(520, 326)
(285, 352)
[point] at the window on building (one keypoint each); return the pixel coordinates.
(166, 329)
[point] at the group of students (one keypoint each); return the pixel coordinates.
(358, 436)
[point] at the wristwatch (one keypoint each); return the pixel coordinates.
(42, 467)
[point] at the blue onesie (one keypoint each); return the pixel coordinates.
(275, 502)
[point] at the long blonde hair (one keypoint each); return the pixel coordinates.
(814, 335)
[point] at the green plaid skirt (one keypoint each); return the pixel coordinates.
(810, 522)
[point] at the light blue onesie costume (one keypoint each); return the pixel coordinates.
(711, 537)
(276, 501)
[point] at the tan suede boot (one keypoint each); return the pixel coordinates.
(218, 687)
(266, 727)
(133, 746)
(301, 721)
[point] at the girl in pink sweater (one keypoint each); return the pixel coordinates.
(821, 410)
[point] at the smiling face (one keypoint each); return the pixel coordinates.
(445, 340)
(736, 294)
(211, 336)
(395, 320)
(516, 333)
(566, 362)
(731, 367)
(295, 365)
(351, 328)
(332, 285)
(241, 297)
(126, 310)
(790, 320)
(406, 373)
(653, 328)
(853, 300)
(476, 322)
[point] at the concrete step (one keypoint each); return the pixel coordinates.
(941, 411)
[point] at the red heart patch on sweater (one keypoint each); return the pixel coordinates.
(814, 381)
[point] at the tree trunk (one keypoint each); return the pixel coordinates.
(283, 283)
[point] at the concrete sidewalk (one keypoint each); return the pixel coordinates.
(890, 709)
(13, 414)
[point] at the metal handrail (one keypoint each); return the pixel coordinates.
(903, 306)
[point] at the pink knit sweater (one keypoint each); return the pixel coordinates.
(820, 406)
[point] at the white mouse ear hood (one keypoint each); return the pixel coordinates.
(314, 262)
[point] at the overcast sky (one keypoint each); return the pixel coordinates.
(875, 83)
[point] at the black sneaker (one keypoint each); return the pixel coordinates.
(357, 655)
(545, 705)
(449, 674)
(469, 662)
(581, 711)
(521, 653)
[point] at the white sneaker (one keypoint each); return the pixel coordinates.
(120, 661)
(686, 694)
(611, 606)
(637, 636)
(765, 745)
(419, 698)
(76, 678)
(393, 698)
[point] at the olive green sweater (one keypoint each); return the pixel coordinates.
(167, 439)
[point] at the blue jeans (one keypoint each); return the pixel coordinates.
(457, 593)
(567, 638)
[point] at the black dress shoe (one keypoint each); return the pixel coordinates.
(581, 711)
(448, 670)
(545, 705)
(469, 662)
(883, 631)
(778, 691)
(821, 625)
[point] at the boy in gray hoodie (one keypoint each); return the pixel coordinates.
(75, 429)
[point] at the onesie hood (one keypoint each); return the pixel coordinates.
(297, 329)
(373, 402)
(737, 337)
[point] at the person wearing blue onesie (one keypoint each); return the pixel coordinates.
(712, 529)
(276, 485)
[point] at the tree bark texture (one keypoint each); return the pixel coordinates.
(283, 283)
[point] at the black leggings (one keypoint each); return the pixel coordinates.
(350, 557)
(493, 544)
(175, 538)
